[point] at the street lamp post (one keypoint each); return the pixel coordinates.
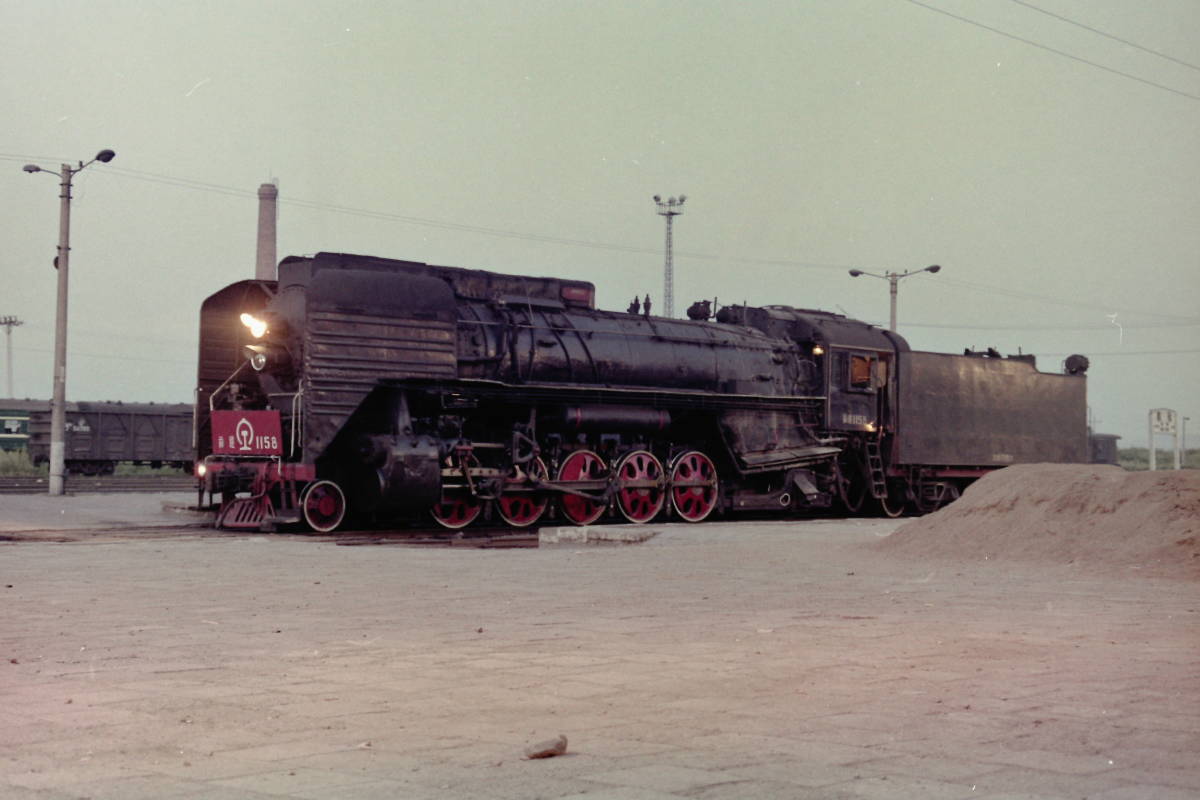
(893, 278)
(58, 403)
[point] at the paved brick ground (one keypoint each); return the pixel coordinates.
(748, 660)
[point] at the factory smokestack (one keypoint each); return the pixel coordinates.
(264, 265)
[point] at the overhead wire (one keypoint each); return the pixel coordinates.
(1056, 51)
(500, 232)
(1123, 353)
(988, 289)
(1100, 326)
(1023, 295)
(111, 356)
(1099, 32)
(458, 226)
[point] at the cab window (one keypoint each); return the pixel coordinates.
(860, 372)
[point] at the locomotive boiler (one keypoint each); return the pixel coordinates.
(368, 388)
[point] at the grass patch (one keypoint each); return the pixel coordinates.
(146, 469)
(16, 463)
(1138, 458)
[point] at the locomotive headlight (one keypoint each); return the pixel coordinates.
(263, 356)
(818, 350)
(258, 327)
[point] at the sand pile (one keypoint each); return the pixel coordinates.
(1087, 515)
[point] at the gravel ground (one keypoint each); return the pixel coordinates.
(724, 660)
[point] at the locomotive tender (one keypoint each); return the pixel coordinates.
(364, 386)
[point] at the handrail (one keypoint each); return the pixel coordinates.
(212, 397)
(297, 421)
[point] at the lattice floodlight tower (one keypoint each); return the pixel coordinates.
(669, 208)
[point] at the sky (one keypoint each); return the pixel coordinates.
(1044, 153)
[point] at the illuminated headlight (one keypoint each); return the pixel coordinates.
(258, 327)
(201, 470)
(262, 356)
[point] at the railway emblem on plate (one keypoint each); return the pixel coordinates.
(246, 433)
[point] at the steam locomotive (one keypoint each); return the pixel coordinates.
(368, 388)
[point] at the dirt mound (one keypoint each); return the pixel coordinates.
(1087, 515)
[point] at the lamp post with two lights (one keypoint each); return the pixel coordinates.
(894, 278)
(58, 401)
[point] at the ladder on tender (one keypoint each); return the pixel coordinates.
(875, 468)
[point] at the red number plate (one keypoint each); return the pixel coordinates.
(247, 433)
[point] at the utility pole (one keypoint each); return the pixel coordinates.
(669, 208)
(58, 402)
(9, 323)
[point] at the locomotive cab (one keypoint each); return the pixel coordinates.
(850, 364)
(857, 388)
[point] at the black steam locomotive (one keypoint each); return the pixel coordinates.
(370, 387)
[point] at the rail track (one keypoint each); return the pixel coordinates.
(490, 538)
(108, 484)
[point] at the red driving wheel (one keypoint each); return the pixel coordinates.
(640, 493)
(458, 507)
(521, 504)
(693, 486)
(581, 465)
(456, 510)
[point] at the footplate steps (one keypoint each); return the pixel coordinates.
(875, 467)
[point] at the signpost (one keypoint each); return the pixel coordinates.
(1163, 420)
